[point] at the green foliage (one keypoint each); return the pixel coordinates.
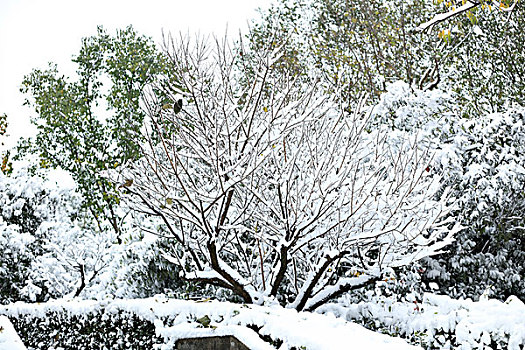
(487, 71)
(366, 44)
(361, 46)
(475, 10)
(75, 133)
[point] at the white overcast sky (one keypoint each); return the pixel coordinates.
(35, 32)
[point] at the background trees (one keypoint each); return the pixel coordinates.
(457, 8)
(366, 45)
(486, 72)
(88, 126)
(362, 46)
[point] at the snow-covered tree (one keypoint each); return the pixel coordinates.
(75, 132)
(273, 189)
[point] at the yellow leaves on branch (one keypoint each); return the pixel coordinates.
(444, 34)
(6, 167)
(472, 17)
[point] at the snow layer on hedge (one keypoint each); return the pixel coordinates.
(313, 331)
(441, 321)
(9, 339)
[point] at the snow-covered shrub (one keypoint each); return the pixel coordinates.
(139, 270)
(6, 166)
(14, 261)
(50, 249)
(26, 202)
(73, 258)
(481, 159)
(439, 322)
(489, 182)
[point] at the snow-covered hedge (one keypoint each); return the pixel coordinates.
(142, 323)
(439, 322)
(80, 326)
(436, 322)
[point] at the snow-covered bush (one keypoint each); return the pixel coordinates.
(26, 202)
(50, 249)
(439, 322)
(139, 270)
(489, 180)
(87, 328)
(73, 258)
(14, 262)
(481, 160)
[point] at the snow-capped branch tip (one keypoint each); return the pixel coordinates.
(447, 15)
(467, 6)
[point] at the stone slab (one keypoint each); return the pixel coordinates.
(210, 343)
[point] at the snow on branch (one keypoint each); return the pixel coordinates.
(466, 6)
(445, 16)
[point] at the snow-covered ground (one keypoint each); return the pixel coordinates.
(9, 339)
